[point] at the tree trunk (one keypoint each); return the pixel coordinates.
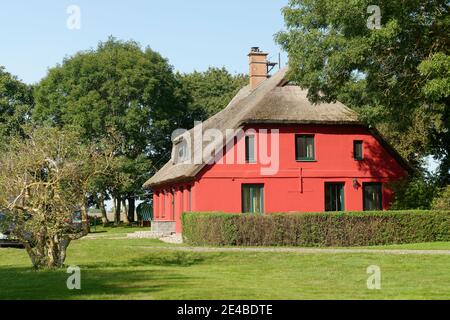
(38, 251)
(64, 243)
(46, 251)
(36, 259)
(101, 205)
(131, 208)
(85, 218)
(117, 200)
(125, 211)
(52, 253)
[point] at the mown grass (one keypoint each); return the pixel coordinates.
(416, 246)
(143, 269)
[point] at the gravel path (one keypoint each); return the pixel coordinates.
(302, 250)
(104, 237)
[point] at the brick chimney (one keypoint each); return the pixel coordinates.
(258, 67)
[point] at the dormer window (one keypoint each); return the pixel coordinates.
(181, 152)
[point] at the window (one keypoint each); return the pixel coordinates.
(172, 203)
(373, 196)
(250, 149)
(181, 150)
(163, 207)
(358, 150)
(252, 198)
(182, 199)
(334, 197)
(190, 199)
(304, 148)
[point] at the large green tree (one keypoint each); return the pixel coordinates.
(210, 91)
(16, 102)
(117, 86)
(396, 73)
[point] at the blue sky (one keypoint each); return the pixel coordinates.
(192, 34)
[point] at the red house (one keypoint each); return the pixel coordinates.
(270, 150)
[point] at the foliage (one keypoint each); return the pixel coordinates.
(414, 192)
(210, 91)
(442, 200)
(436, 70)
(16, 102)
(44, 179)
(317, 229)
(121, 87)
(214, 229)
(396, 76)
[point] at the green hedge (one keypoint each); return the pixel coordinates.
(316, 229)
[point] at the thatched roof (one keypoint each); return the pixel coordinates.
(274, 101)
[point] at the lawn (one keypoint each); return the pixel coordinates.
(144, 269)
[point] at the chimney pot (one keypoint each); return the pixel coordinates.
(258, 67)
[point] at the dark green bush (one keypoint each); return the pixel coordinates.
(414, 193)
(317, 229)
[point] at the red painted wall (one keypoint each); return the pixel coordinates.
(298, 186)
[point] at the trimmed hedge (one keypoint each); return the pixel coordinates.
(316, 229)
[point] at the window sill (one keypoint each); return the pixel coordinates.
(306, 160)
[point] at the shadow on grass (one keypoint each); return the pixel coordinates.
(97, 232)
(144, 277)
(22, 283)
(12, 246)
(177, 258)
(156, 258)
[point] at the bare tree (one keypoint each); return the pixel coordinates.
(44, 179)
